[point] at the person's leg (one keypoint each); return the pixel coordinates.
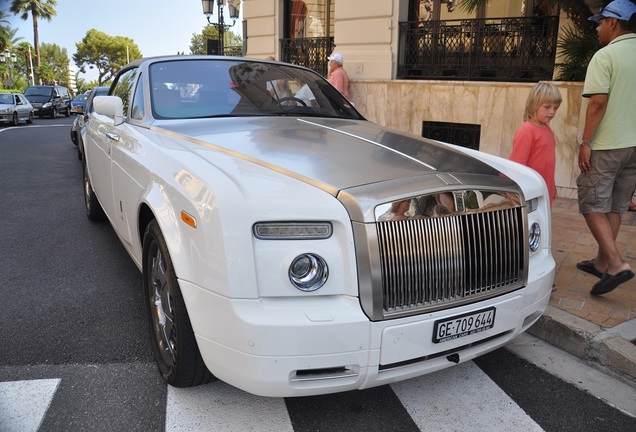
(604, 227)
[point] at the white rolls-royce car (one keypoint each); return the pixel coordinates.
(290, 247)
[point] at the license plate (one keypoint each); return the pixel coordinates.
(463, 325)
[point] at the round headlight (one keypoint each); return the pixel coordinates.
(534, 239)
(308, 272)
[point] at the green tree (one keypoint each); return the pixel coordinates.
(4, 30)
(44, 9)
(106, 53)
(45, 73)
(199, 44)
(56, 59)
(16, 68)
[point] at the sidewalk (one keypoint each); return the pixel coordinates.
(602, 329)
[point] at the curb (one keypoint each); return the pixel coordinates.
(611, 348)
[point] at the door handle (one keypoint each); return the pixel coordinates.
(113, 136)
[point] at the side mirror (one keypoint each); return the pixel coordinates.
(110, 106)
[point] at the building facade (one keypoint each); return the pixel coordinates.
(430, 68)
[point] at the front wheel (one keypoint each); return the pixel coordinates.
(30, 119)
(15, 119)
(54, 113)
(172, 338)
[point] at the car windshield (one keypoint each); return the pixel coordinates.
(38, 91)
(80, 97)
(228, 88)
(6, 98)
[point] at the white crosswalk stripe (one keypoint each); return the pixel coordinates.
(435, 399)
(221, 407)
(23, 404)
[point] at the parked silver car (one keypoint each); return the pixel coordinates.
(14, 107)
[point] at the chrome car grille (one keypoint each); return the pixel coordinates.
(434, 263)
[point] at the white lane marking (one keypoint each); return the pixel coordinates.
(220, 407)
(461, 398)
(23, 404)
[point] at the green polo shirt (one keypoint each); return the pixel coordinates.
(612, 71)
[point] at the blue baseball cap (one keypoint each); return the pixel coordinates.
(619, 9)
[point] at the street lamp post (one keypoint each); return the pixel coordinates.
(208, 9)
(8, 58)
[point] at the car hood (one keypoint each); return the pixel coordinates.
(5, 106)
(339, 154)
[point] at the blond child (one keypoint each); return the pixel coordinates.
(534, 143)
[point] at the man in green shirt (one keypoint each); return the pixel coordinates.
(607, 151)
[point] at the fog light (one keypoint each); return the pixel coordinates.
(308, 272)
(534, 238)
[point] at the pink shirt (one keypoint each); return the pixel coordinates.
(534, 146)
(339, 79)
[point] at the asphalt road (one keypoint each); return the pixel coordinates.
(72, 324)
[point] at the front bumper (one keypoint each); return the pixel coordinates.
(310, 346)
(43, 112)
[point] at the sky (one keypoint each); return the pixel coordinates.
(158, 27)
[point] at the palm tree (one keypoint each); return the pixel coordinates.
(4, 30)
(578, 43)
(44, 9)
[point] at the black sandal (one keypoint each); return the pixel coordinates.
(588, 267)
(609, 282)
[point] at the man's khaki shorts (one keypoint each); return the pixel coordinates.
(610, 183)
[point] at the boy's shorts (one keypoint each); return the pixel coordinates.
(610, 183)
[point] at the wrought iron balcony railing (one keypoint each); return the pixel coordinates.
(503, 49)
(308, 52)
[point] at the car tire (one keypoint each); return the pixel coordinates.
(93, 208)
(174, 345)
(73, 137)
(80, 147)
(30, 119)
(67, 113)
(54, 113)
(15, 119)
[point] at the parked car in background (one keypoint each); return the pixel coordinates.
(49, 100)
(296, 249)
(80, 122)
(77, 104)
(14, 107)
